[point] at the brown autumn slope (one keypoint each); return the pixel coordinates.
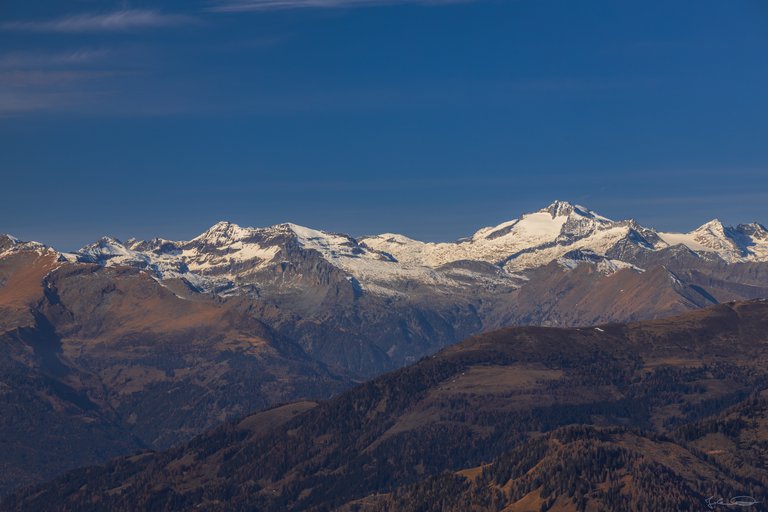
(99, 362)
(464, 407)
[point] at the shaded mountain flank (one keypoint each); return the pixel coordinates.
(99, 362)
(654, 415)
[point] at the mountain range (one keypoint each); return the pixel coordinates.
(228, 259)
(375, 303)
(134, 345)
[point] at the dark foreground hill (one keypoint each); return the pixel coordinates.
(657, 415)
(581, 468)
(722, 457)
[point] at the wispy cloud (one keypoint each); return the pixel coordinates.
(15, 102)
(273, 5)
(117, 21)
(33, 78)
(27, 60)
(45, 81)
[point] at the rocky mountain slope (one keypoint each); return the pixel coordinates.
(653, 415)
(96, 362)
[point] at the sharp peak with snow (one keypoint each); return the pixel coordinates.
(719, 226)
(225, 228)
(10, 240)
(9, 244)
(715, 224)
(560, 208)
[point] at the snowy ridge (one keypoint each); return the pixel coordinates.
(529, 242)
(540, 237)
(745, 242)
(227, 257)
(11, 245)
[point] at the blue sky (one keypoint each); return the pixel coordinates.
(429, 118)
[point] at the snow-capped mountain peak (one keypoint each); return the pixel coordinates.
(719, 238)
(332, 245)
(9, 244)
(105, 244)
(746, 242)
(559, 219)
(711, 228)
(530, 241)
(559, 209)
(565, 209)
(222, 233)
(111, 251)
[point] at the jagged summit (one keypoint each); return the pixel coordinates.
(9, 238)
(753, 229)
(559, 208)
(745, 242)
(714, 227)
(11, 244)
(221, 233)
(564, 209)
(7, 242)
(225, 232)
(105, 242)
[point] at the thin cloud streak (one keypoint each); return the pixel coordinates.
(275, 5)
(16, 102)
(118, 21)
(50, 81)
(32, 78)
(37, 60)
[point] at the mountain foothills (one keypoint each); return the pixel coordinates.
(667, 414)
(144, 344)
